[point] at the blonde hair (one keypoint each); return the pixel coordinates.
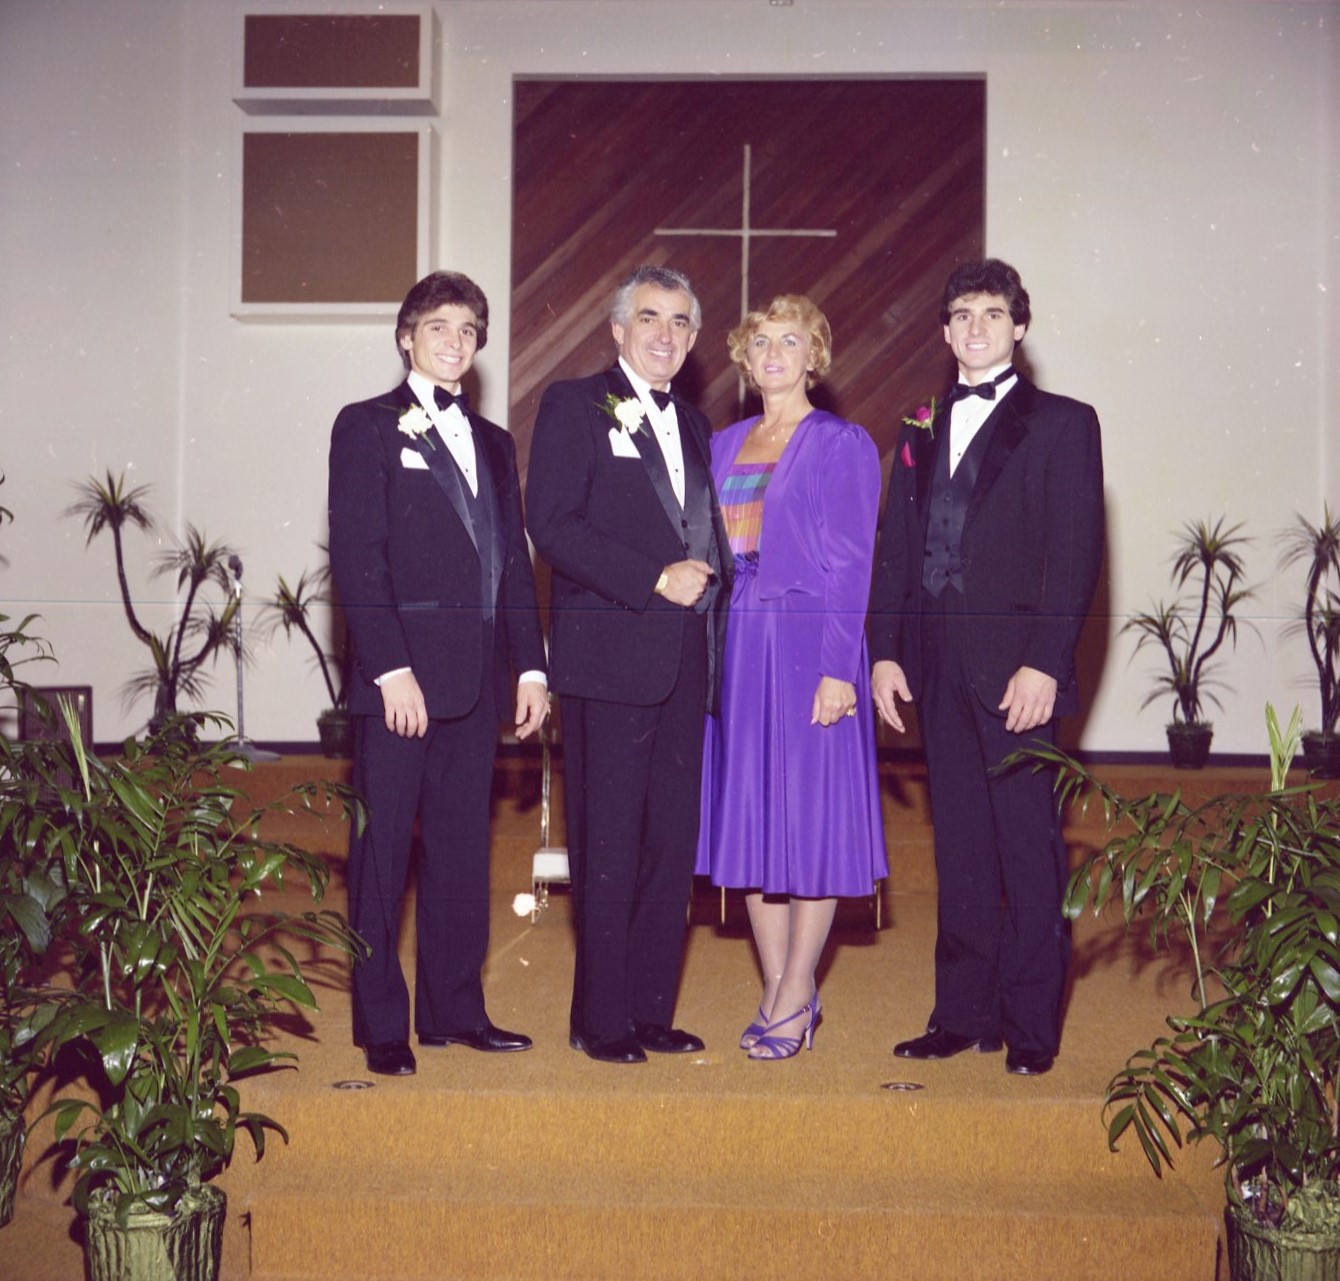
(785, 307)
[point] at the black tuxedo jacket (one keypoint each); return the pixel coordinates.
(607, 526)
(406, 568)
(1032, 543)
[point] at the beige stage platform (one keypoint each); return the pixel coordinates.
(842, 1163)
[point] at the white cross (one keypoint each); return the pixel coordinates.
(745, 232)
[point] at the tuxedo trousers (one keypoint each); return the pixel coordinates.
(1002, 945)
(632, 783)
(443, 780)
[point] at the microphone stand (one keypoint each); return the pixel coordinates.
(241, 744)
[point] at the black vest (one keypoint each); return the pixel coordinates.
(483, 509)
(949, 499)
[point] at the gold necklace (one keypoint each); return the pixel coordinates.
(773, 434)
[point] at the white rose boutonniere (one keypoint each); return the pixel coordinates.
(414, 422)
(627, 412)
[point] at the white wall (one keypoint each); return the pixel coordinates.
(1163, 176)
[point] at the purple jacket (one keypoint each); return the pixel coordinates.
(819, 516)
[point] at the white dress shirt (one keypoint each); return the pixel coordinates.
(452, 425)
(966, 416)
(664, 426)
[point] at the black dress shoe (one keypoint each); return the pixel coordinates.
(610, 1049)
(1028, 1062)
(665, 1040)
(944, 1045)
(490, 1039)
(390, 1058)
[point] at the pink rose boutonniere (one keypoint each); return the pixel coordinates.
(924, 417)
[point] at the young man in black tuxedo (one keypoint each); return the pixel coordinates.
(431, 565)
(989, 551)
(620, 502)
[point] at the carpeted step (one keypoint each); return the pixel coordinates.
(40, 1242)
(663, 1223)
(933, 1133)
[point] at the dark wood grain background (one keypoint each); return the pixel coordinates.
(896, 167)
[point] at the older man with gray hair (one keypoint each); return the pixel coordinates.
(620, 502)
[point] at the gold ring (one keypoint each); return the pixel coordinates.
(851, 711)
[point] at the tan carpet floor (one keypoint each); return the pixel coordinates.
(547, 1165)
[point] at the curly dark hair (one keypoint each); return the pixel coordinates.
(990, 276)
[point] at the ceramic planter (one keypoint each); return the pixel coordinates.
(1321, 754)
(12, 1135)
(185, 1246)
(335, 728)
(1189, 745)
(1260, 1253)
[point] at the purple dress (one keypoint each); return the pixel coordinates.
(790, 807)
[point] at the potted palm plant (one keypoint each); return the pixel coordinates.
(24, 930)
(1191, 631)
(294, 609)
(1318, 547)
(1249, 883)
(178, 656)
(31, 893)
(16, 1064)
(182, 965)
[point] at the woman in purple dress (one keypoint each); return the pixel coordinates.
(791, 810)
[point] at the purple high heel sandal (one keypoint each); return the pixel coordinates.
(785, 1047)
(749, 1037)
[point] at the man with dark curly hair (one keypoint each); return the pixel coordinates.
(989, 550)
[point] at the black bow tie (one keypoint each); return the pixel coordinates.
(445, 399)
(987, 391)
(662, 398)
